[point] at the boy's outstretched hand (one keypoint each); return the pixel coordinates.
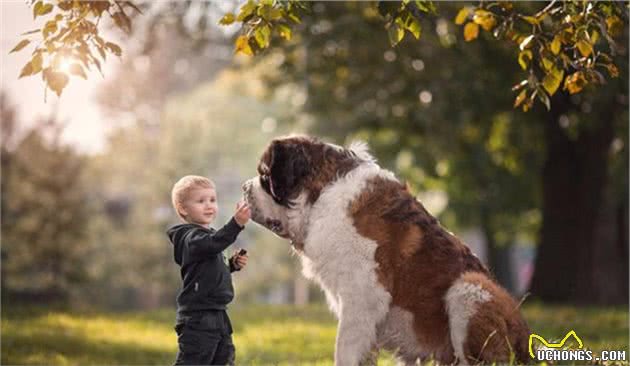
(239, 260)
(243, 213)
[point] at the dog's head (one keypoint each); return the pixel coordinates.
(291, 175)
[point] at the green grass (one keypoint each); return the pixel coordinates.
(262, 334)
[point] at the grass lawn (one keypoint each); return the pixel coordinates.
(263, 334)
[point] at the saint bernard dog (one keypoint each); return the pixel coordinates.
(394, 277)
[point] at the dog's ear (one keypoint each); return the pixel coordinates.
(289, 166)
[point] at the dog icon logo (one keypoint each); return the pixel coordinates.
(553, 345)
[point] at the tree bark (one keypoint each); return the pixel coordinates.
(499, 256)
(578, 259)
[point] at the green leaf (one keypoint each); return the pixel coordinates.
(544, 99)
(396, 34)
(285, 31)
(294, 18)
(23, 43)
(414, 28)
(462, 15)
(547, 63)
(551, 81)
(275, 14)
(246, 10)
(531, 20)
(555, 45)
(524, 58)
(76, 69)
(262, 36)
(227, 19)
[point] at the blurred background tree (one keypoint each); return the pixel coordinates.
(44, 214)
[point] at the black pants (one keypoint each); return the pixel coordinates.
(205, 339)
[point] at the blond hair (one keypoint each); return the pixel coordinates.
(184, 186)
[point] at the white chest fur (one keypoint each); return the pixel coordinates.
(342, 262)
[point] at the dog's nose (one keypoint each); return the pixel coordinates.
(245, 186)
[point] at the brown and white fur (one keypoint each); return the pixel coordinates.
(392, 275)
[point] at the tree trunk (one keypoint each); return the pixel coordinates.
(499, 256)
(573, 265)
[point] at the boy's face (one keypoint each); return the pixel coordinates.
(200, 207)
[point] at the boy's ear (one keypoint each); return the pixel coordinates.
(181, 210)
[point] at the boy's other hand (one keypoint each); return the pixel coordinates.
(243, 213)
(239, 260)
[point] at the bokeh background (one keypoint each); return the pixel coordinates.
(87, 270)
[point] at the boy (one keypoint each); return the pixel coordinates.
(204, 332)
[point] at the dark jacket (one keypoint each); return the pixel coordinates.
(207, 282)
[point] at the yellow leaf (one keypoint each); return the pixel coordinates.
(36, 62)
(594, 37)
(614, 25)
(57, 81)
(556, 44)
(531, 20)
(227, 19)
(76, 69)
(114, 48)
(26, 70)
(575, 82)
(242, 45)
(521, 97)
(612, 70)
(585, 48)
(547, 63)
(461, 16)
(552, 80)
(20, 45)
(524, 58)
(485, 19)
(471, 31)
(50, 27)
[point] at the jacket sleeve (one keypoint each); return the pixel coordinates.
(203, 243)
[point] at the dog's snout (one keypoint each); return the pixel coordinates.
(245, 187)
